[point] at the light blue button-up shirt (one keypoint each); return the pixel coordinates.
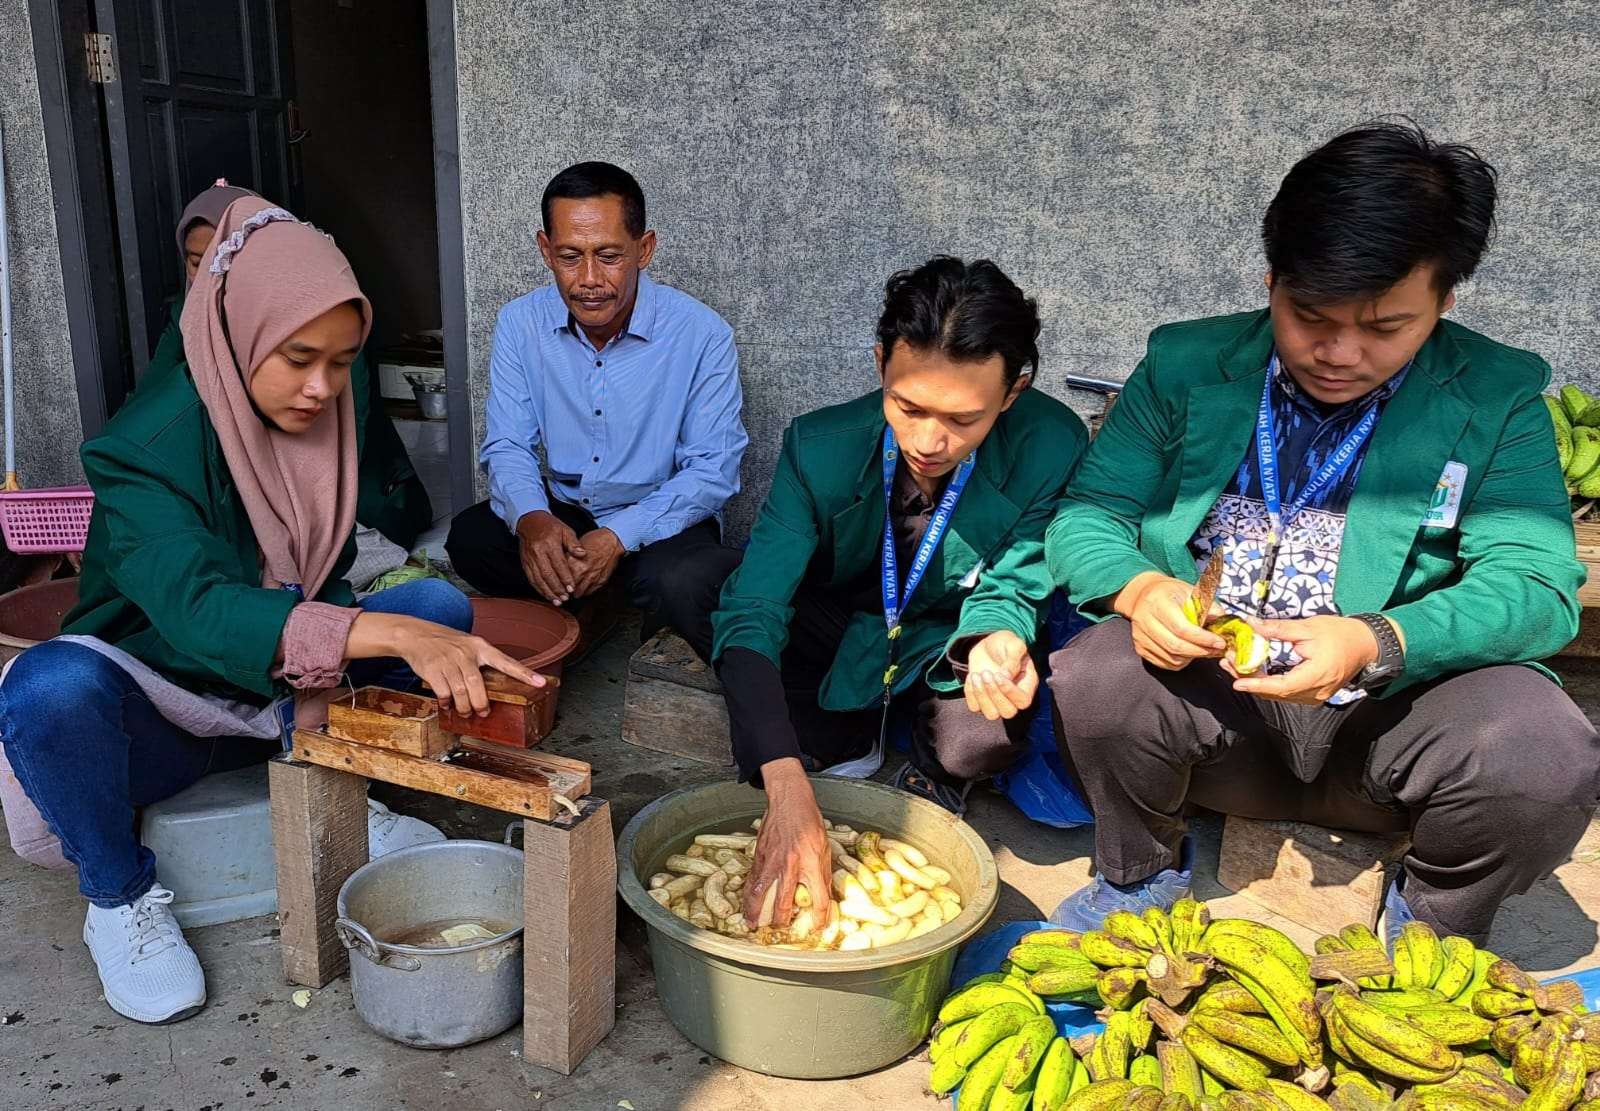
(644, 434)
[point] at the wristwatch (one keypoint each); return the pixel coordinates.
(1391, 659)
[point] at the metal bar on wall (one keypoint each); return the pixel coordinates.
(452, 250)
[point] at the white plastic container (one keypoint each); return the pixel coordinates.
(213, 846)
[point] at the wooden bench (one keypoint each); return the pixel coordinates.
(673, 703)
(1322, 879)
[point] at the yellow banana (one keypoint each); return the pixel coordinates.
(1117, 986)
(1102, 1095)
(1276, 942)
(973, 1001)
(1393, 1034)
(1452, 1025)
(1362, 1084)
(1509, 1031)
(983, 978)
(983, 1078)
(1159, 922)
(1233, 1067)
(1331, 943)
(1379, 1059)
(1131, 928)
(1358, 936)
(1460, 962)
(1287, 996)
(1210, 1087)
(1229, 995)
(1108, 1060)
(1563, 1085)
(1534, 1056)
(1063, 979)
(1175, 1101)
(1053, 1083)
(1189, 921)
(1505, 976)
(1418, 958)
(1034, 1038)
(1142, 1098)
(1061, 939)
(1145, 1070)
(986, 1029)
(1402, 999)
(1112, 952)
(1033, 958)
(1011, 1099)
(1140, 1026)
(1180, 1074)
(945, 1075)
(1455, 1097)
(1294, 1097)
(943, 1037)
(1253, 1033)
(1493, 1003)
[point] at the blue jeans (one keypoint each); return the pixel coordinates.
(89, 748)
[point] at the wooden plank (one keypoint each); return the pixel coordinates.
(1322, 879)
(567, 776)
(684, 721)
(518, 788)
(407, 723)
(668, 656)
(319, 837)
(569, 936)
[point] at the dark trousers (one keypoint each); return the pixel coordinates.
(949, 743)
(1495, 773)
(676, 581)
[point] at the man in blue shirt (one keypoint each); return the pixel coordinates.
(614, 436)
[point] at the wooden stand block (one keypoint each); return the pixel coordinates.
(319, 835)
(674, 703)
(1322, 879)
(519, 715)
(395, 720)
(569, 937)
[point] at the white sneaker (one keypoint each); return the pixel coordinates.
(147, 970)
(388, 831)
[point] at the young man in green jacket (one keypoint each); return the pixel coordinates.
(898, 564)
(1381, 493)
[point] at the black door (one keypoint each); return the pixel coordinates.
(201, 92)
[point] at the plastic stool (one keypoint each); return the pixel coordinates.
(213, 846)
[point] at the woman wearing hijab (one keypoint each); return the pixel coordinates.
(212, 601)
(389, 495)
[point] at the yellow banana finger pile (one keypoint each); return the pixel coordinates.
(885, 891)
(1231, 1015)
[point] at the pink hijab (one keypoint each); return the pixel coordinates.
(264, 277)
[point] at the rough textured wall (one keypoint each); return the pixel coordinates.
(48, 425)
(1113, 157)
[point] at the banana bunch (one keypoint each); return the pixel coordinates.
(1576, 417)
(1442, 1026)
(885, 892)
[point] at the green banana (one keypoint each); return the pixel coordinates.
(1036, 958)
(1117, 986)
(983, 1078)
(973, 1001)
(1276, 942)
(1060, 939)
(1034, 1038)
(1233, 1067)
(945, 1075)
(1102, 1095)
(1287, 997)
(1011, 1099)
(1460, 962)
(985, 978)
(1493, 1003)
(1180, 1073)
(1064, 979)
(1364, 1053)
(1590, 416)
(1112, 952)
(1452, 1025)
(1140, 1026)
(1189, 921)
(1392, 1034)
(1294, 1097)
(1229, 995)
(1358, 936)
(1254, 1033)
(1159, 922)
(986, 1029)
(943, 1038)
(1574, 401)
(1210, 1086)
(1145, 1069)
(1418, 958)
(1053, 1083)
(1585, 452)
(1563, 1085)
(1108, 1060)
(1482, 959)
(1563, 430)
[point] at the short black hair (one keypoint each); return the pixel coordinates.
(967, 310)
(597, 179)
(1361, 212)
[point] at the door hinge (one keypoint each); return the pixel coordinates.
(102, 59)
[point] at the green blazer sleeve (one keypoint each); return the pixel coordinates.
(1516, 597)
(1092, 545)
(755, 608)
(1014, 592)
(169, 347)
(161, 556)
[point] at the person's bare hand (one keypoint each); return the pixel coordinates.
(1163, 635)
(450, 662)
(602, 552)
(550, 554)
(1332, 652)
(1001, 679)
(791, 849)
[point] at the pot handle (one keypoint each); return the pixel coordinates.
(511, 829)
(357, 938)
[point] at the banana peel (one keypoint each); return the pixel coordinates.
(1247, 649)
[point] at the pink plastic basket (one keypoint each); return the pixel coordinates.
(52, 520)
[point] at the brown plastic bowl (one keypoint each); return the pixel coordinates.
(537, 633)
(32, 614)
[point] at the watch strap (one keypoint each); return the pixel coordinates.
(1391, 656)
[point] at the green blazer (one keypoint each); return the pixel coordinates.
(822, 524)
(1499, 586)
(389, 495)
(172, 570)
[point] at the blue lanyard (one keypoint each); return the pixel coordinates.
(1337, 466)
(894, 601)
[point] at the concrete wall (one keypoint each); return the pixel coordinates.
(48, 424)
(361, 80)
(1114, 157)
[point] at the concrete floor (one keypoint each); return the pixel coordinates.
(61, 1047)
